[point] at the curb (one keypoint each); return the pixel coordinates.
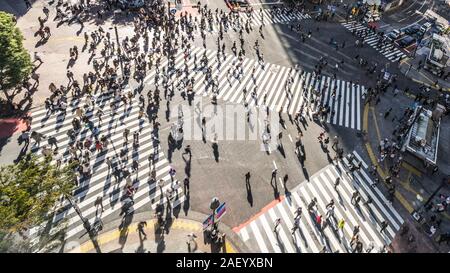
(231, 236)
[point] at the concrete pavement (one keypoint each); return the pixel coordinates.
(123, 236)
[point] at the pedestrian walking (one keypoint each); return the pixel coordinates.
(140, 228)
(99, 203)
(383, 226)
(336, 183)
(186, 185)
(276, 224)
(295, 227)
(341, 224)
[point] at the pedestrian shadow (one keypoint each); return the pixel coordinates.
(340, 200)
(70, 63)
(161, 246)
(248, 187)
(360, 212)
(305, 173)
(186, 204)
(280, 243)
(304, 123)
(124, 229)
(302, 235)
(330, 160)
(215, 148)
(176, 209)
(281, 149)
(168, 221)
(294, 242)
(187, 168)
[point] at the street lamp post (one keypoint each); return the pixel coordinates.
(215, 203)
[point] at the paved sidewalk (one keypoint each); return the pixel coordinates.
(415, 184)
(410, 69)
(125, 237)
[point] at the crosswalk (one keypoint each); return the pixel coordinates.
(388, 49)
(258, 233)
(267, 86)
(255, 18)
(101, 183)
(268, 16)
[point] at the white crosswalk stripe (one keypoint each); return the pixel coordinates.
(308, 238)
(255, 19)
(101, 183)
(388, 50)
(269, 81)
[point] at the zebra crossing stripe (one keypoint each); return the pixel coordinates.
(376, 200)
(246, 80)
(308, 220)
(268, 75)
(320, 181)
(358, 108)
(298, 81)
(279, 88)
(365, 229)
(389, 51)
(342, 103)
(350, 187)
(95, 185)
(244, 234)
(274, 84)
(284, 239)
(269, 233)
(307, 241)
(347, 104)
(354, 94)
(366, 213)
(286, 219)
(278, 98)
(259, 238)
(331, 241)
(322, 210)
(391, 208)
(236, 80)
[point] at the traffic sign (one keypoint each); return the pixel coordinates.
(173, 11)
(220, 211)
(207, 222)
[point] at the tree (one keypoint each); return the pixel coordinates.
(15, 62)
(29, 192)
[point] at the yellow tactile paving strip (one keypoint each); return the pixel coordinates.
(178, 224)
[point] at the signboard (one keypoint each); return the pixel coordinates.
(207, 222)
(220, 211)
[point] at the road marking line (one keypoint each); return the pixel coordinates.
(411, 168)
(281, 182)
(263, 210)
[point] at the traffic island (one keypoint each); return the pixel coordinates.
(144, 234)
